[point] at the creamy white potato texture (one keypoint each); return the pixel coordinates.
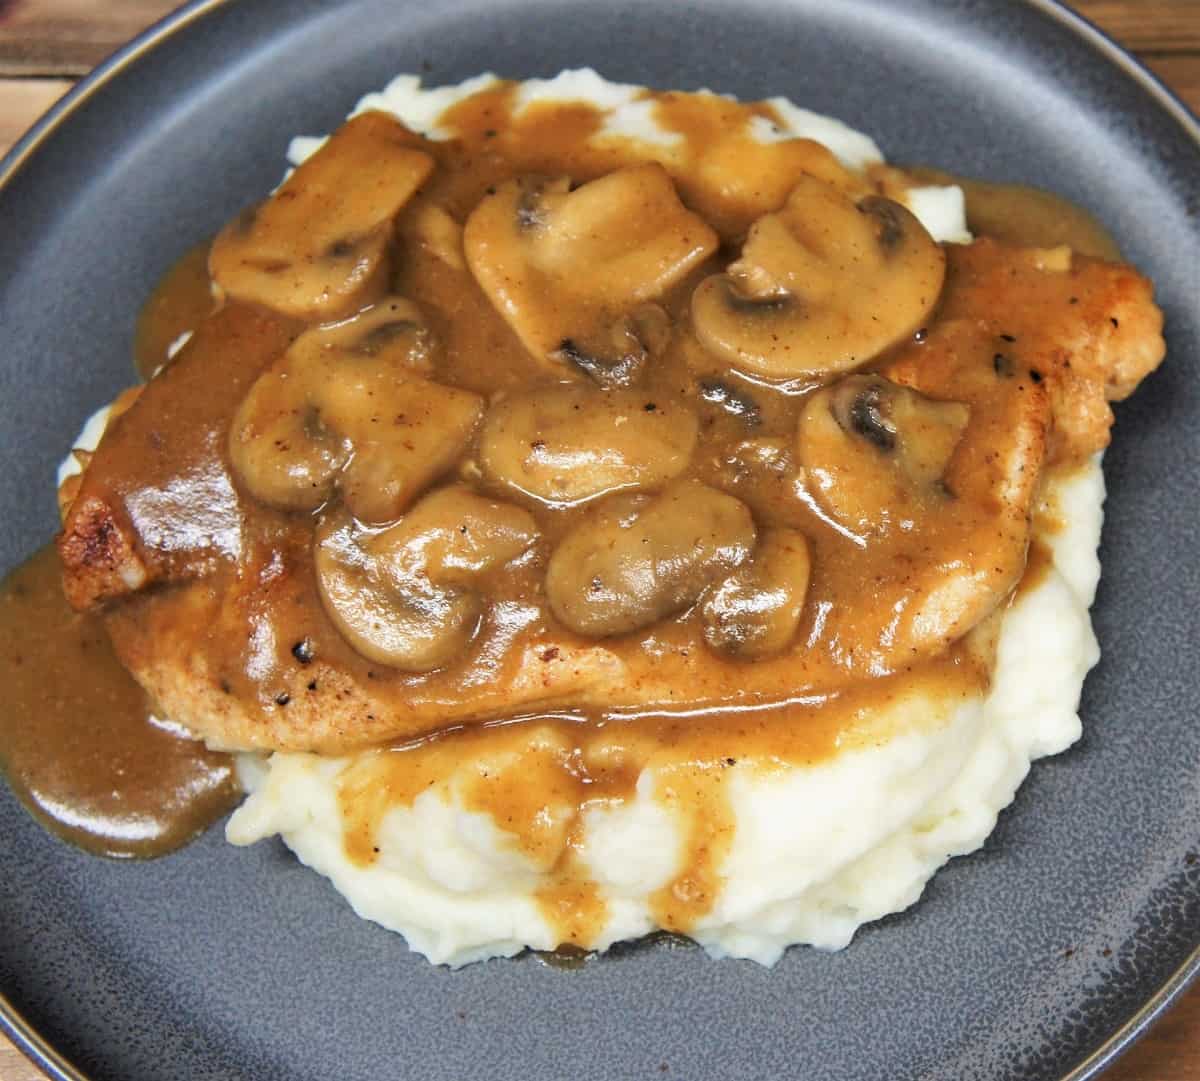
(818, 850)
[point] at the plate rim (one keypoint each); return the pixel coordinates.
(13, 1024)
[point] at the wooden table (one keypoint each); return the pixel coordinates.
(45, 45)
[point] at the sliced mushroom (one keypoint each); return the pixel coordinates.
(568, 444)
(393, 330)
(409, 596)
(615, 354)
(822, 286)
(317, 248)
(641, 558)
(873, 452)
(756, 610)
(440, 234)
(567, 268)
(345, 408)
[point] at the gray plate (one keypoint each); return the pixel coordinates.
(1035, 958)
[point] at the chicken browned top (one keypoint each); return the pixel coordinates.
(497, 426)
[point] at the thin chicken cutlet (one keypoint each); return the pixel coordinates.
(589, 449)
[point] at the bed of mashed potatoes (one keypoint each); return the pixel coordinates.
(819, 850)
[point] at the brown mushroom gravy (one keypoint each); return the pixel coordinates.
(569, 477)
(78, 741)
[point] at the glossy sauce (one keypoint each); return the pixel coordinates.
(240, 591)
(1029, 217)
(78, 743)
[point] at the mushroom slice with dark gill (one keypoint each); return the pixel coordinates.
(570, 270)
(411, 596)
(345, 408)
(567, 444)
(872, 453)
(822, 286)
(318, 247)
(614, 355)
(638, 558)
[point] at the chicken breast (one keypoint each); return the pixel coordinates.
(221, 617)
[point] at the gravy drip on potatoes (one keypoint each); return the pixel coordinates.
(537, 777)
(77, 740)
(274, 641)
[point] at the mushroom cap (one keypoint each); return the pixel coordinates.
(873, 452)
(640, 558)
(317, 248)
(564, 445)
(755, 612)
(822, 286)
(562, 265)
(409, 596)
(344, 407)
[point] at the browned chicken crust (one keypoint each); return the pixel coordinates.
(1091, 331)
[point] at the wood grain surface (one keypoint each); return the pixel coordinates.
(46, 44)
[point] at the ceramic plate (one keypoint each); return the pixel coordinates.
(1034, 958)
